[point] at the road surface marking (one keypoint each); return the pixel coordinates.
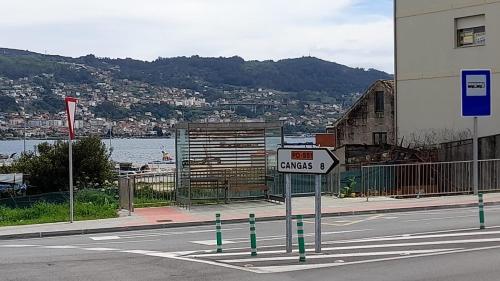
(213, 242)
(369, 254)
(392, 245)
(440, 218)
(118, 242)
(411, 237)
(100, 249)
(101, 238)
(364, 220)
(17, 246)
(60, 247)
(139, 252)
(288, 268)
(157, 234)
(324, 223)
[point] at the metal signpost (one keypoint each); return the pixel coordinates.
(316, 161)
(476, 102)
(70, 111)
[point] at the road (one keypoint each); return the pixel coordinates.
(444, 245)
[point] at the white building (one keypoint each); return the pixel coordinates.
(435, 40)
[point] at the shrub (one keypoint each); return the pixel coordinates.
(48, 170)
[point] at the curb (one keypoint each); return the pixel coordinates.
(229, 221)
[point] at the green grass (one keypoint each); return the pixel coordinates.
(89, 205)
(147, 196)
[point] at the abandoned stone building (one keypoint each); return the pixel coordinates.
(370, 121)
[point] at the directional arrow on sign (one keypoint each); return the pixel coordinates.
(317, 161)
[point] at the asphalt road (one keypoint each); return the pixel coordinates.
(444, 245)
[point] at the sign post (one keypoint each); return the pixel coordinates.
(476, 102)
(317, 215)
(288, 203)
(70, 111)
(316, 161)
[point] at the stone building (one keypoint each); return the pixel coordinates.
(370, 121)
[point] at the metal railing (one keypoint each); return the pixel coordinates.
(426, 179)
(303, 185)
(150, 189)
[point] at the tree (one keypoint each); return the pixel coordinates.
(47, 171)
(8, 104)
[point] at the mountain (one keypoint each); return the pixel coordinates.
(306, 74)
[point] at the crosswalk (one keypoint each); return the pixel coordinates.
(273, 259)
(335, 253)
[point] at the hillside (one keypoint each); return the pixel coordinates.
(305, 74)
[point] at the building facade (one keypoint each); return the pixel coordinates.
(435, 40)
(370, 121)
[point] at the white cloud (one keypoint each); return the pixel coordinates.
(253, 29)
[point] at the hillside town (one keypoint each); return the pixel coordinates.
(126, 108)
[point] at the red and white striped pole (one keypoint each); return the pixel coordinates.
(70, 111)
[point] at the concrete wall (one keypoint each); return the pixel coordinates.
(429, 64)
(489, 148)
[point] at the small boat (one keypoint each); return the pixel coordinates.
(166, 159)
(160, 162)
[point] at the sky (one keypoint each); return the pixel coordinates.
(357, 33)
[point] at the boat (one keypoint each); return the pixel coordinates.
(167, 159)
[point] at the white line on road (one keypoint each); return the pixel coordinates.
(17, 246)
(139, 252)
(391, 245)
(369, 254)
(411, 237)
(60, 247)
(441, 218)
(288, 268)
(212, 242)
(100, 249)
(100, 238)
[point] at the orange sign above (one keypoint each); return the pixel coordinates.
(302, 155)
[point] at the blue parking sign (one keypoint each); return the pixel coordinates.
(476, 93)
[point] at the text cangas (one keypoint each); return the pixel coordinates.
(297, 165)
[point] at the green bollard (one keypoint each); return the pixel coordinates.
(253, 236)
(218, 228)
(300, 235)
(481, 212)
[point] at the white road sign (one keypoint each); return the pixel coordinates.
(317, 161)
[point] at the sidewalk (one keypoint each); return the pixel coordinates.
(166, 217)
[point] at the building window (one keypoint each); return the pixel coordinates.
(379, 138)
(379, 102)
(471, 31)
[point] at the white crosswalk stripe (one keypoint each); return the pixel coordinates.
(273, 258)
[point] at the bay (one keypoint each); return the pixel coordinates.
(137, 151)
